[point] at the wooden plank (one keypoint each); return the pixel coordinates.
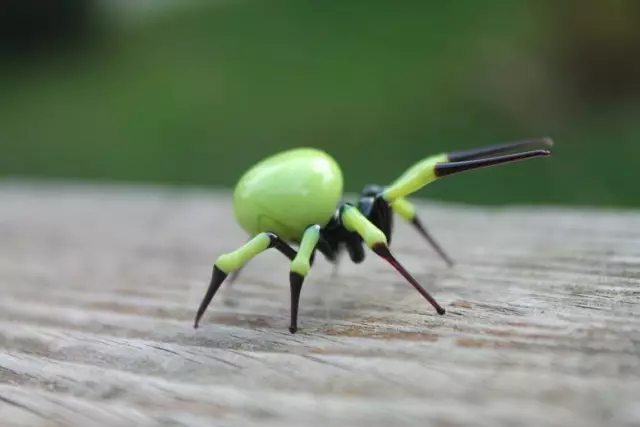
(100, 285)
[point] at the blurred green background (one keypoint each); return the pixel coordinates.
(194, 92)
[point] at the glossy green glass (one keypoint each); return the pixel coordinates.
(287, 192)
(295, 197)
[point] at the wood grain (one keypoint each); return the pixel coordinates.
(100, 286)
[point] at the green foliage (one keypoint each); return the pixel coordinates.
(198, 96)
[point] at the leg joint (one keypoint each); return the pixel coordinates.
(273, 239)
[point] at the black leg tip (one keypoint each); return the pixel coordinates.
(296, 280)
(217, 277)
(441, 311)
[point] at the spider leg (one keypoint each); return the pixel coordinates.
(233, 261)
(300, 267)
(435, 167)
(407, 212)
(354, 220)
(477, 153)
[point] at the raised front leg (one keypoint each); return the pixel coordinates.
(437, 166)
(434, 167)
(232, 261)
(300, 267)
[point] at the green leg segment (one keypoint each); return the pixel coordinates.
(228, 263)
(416, 177)
(353, 220)
(235, 260)
(300, 267)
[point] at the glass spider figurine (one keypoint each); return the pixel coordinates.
(295, 198)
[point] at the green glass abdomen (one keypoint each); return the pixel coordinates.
(287, 192)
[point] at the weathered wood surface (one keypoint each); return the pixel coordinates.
(100, 285)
